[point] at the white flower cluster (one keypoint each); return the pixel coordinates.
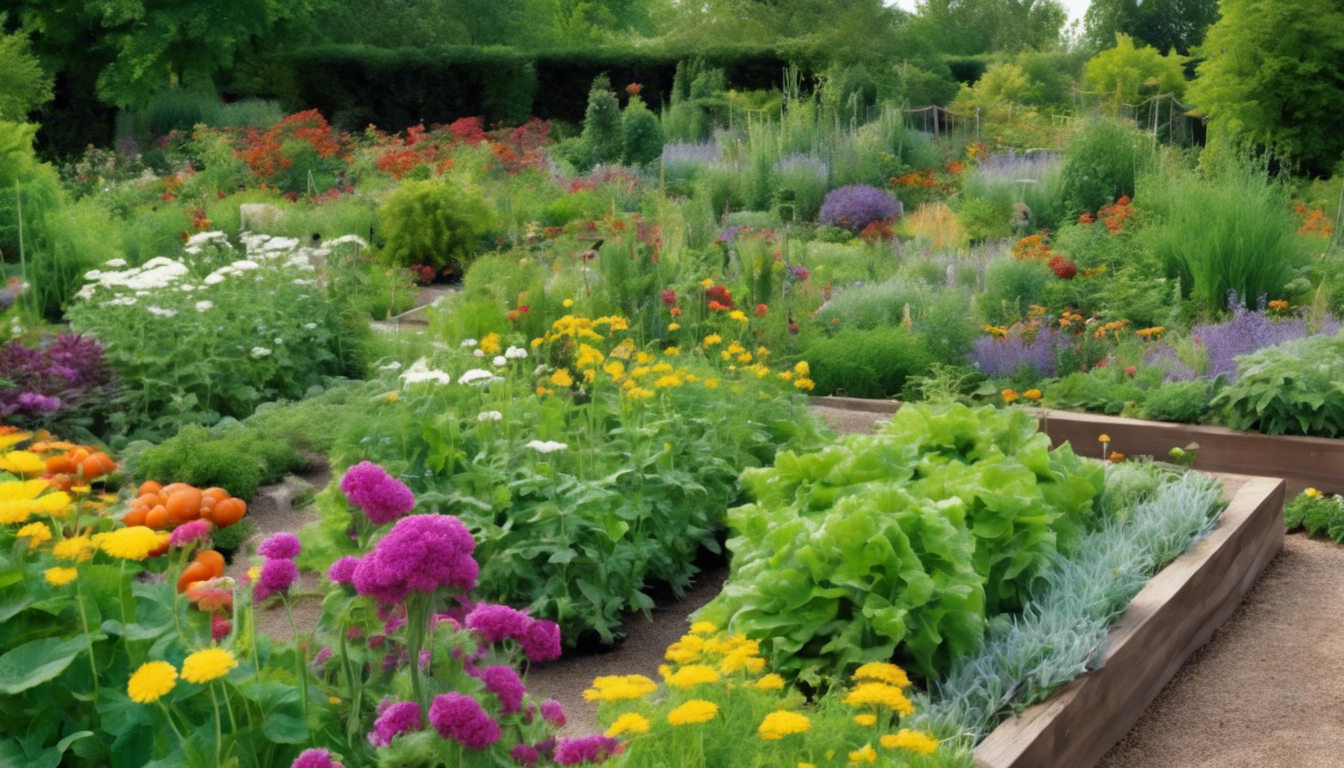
(515, 353)
(477, 377)
(546, 446)
(421, 372)
(155, 274)
(490, 416)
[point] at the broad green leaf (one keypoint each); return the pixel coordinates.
(36, 662)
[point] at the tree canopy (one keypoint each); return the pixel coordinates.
(1166, 25)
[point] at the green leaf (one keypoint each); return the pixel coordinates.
(36, 662)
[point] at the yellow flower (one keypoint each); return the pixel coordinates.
(537, 342)
(771, 682)
(334, 701)
(1009, 395)
(630, 722)
(254, 573)
(23, 464)
(36, 533)
(21, 500)
(712, 339)
(866, 720)
(706, 283)
(134, 543)
(738, 315)
(1033, 395)
(711, 383)
(668, 381)
(638, 393)
(802, 369)
(762, 351)
(663, 368)
(1310, 493)
(561, 378)
(619, 688)
(807, 384)
(786, 375)
(692, 712)
(918, 741)
(883, 672)
(777, 725)
(615, 369)
(392, 397)
(685, 650)
(643, 358)
(807, 765)
(151, 682)
(742, 658)
(490, 345)
(672, 351)
(674, 326)
(59, 577)
(879, 694)
(693, 675)
(744, 358)
(79, 549)
(865, 755)
(1103, 438)
(14, 438)
(567, 303)
(209, 664)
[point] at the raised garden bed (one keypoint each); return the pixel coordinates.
(1168, 620)
(1302, 462)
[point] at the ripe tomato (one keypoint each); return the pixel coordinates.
(171, 488)
(97, 465)
(184, 505)
(229, 511)
(157, 518)
(62, 465)
(148, 487)
(193, 573)
(218, 494)
(135, 516)
(213, 560)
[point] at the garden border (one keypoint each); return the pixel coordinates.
(1303, 462)
(1172, 616)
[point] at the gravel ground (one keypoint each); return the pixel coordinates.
(1267, 689)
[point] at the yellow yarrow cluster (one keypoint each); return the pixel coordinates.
(209, 664)
(620, 688)
(59, 577)
(882, 672)
(629, 723)
(693, 712)
(36, 533)
(917, 741)
(692, 675)
(22, 499)
(777, 725)
(133, 543)
(879, 695)
(78, 549)
(151, 682)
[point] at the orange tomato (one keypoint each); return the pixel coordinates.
(61, 465)
(218, 494)
(79, 455)
(135, 516)
(213, 560)
(157, 518)
(193, 573)
(146, 500)
(229, 511)
(171, 488)
(148, 487)
(184, 505)
(97, 465)
(61, 482)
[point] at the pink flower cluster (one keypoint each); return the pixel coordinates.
(279, 571)
(589, 749)
(421, 553)
(187, 534)
(540, 640)
(315, 758)
(459, 717)
(403, 717)
(382, 497)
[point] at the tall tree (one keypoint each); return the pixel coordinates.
(1273, 75)
(24, 86)
(969, 27)
(1163, 24)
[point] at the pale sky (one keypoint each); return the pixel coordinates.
(1076, 8)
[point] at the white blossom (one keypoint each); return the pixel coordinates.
(515, 353)
(392, 366)
(202, 306)
(479, 353)
(160, 311)
(490, 416)
(499, 361)
(260, 352)
(115, 263)
(469, 343)
(547, 446)
(476, 377)
(312, 326)
(421, 372)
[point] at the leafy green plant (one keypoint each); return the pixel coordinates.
(867, 363)
(1101, 164)
(903, 541)
(1186, 402)
(641, 133)
(602, 131)
(237, 459)
(437, 222)
(1292, 389)
(1318, 514)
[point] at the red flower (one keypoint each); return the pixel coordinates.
(524, 308)
(761, 309)
(633, 89)
(669, 297)
(715, 306)
(1063, 268)
(721, 295)
(676, 311)
(1131, 370)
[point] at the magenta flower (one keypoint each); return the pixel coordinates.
(459, 717)
(382, 497)
(343, 571)
(315, 758)
(189, 533)
(276, 576)
(505, 683)
(498, 622)
(220, 627)
(553, 712)
(589, 749)
(541, 641)
(322, 657)
(421, 553)
(280, 546)
(524, 755)
(404, 717)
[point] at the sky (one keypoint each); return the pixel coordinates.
(1076, 8)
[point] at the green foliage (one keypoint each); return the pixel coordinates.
(1247, 235)
(237, 459)
(1186, 402)
(642, 134)
(602, 129)
(1101, 164)
(1163, 24)
(1296, 388)
(1270, 77)
(1130, 74)
(437, 222)
(1101, 390)
(1319, 515)
(24, 85)
(903, 541)
(1011, 286)
(866, 363)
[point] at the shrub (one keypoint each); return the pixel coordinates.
(48, 385)
(602, 132)
(1291, 389)
(800, 182)
(641, 133)
(1011, 286)
(237, 459)
(437, 222)
(856, 206)
(1316, 513)
(1101, 163)
(871, 363)
(1186, 402)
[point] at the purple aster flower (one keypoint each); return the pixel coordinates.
(276, 576)
(37, 403)
(421, 553)
(343, 571)
(497, 622)
(589, 749)
(322, 657)
(280, 546)
(505, 683)
(315, 758)
(404, 717)
(856, 206)
(459, 717)
(1004, 357)
(541, 641)
(553, 712)
(189, 533)
(524, 755)
(382, 497)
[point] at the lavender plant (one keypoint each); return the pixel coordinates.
(856, 206)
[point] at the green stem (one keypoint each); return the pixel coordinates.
(416, 618)
(219, 736)
(300, 663)
(168, 715)
(88, 639)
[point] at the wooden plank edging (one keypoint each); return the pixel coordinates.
(1172, 616)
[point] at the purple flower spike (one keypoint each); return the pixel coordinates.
(459, 717)
(541, 641)
(524, 755)
(383, 498)
(189, 533)
(498, 622)
(553, 712)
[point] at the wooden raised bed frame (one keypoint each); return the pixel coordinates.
(1303, 462)
(1172, 616)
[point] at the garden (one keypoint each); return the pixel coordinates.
(357, 398)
